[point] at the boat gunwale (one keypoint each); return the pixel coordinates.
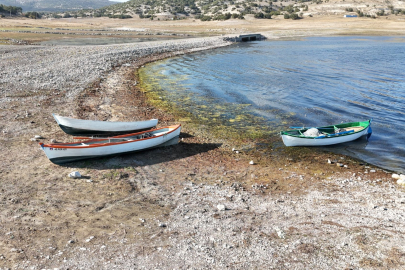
(70, 146)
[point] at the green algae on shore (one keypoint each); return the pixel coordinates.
(223, 119)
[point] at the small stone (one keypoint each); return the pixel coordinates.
(395, 176)
(38, 137)
(252, 162)
(339, 164)
(329, 161)
(233, 149)
(71, 241)
(280, 232)
(89, 239)
(221, 207)
(53, 141)
(162, 225)
(33, 140)
(142, 220)
(346, 166)
(237, 152)
(401, 181)
(75, 175)
(359, 178)
(372, 171)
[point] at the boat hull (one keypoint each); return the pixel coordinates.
(63, 153)
(77, 127)
(317, 141)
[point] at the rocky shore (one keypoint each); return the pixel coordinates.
(36, 68)
(195, 205)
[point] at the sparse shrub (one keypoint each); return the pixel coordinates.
(294, 16)
(259, 15)
(32, 15)
(206, 18)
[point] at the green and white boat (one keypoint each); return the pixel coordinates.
(328, 135)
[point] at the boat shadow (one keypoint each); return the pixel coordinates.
(170, 151)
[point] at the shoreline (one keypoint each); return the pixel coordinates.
(196, 204)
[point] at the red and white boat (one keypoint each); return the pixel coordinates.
(101, 147)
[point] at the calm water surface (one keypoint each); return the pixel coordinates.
(271, 85)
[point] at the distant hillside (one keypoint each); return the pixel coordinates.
(212, 9)
(263, 9)
(56, 5)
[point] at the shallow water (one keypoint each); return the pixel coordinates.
(270, 85)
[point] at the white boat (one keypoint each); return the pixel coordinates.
(76, 127)
(327, 135)
(101, 147)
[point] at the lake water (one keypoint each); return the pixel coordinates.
(316, 81)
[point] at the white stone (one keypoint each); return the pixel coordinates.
(38, 137)
(221, 207)
(279, 232)
(395, 176)
(75, 175)
(90, 238)
(401, 181)
(251, 162)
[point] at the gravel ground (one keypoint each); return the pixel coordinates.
(34, 68)
(342, 229)
(196, 205)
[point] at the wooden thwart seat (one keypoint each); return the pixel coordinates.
(352, 128)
